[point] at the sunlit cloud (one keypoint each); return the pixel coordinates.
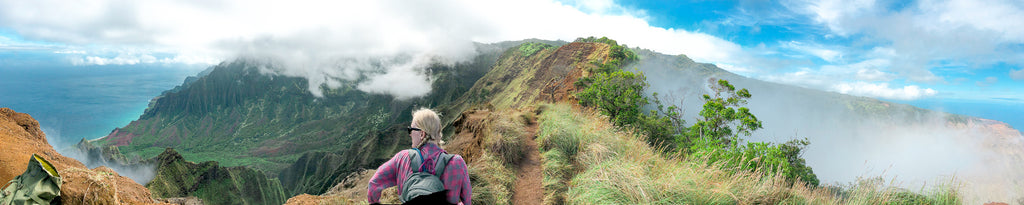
(329, 42)
(927, 32)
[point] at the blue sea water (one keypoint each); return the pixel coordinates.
(75, 102)
(1009, 111)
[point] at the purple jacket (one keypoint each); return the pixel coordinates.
(397, 170)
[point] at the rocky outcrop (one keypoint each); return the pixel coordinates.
(212, 183)
(20, 137)
(351, 190)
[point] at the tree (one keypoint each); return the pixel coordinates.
(715, 136)
(618, 94)
(722, 119)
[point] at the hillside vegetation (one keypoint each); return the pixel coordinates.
(602, 139)
(212, 183)
(588, 160)
(604, 148)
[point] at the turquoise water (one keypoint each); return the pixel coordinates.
(76, 102)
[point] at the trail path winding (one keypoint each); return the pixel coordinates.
(529, 189)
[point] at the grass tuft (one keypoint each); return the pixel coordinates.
(586, 160)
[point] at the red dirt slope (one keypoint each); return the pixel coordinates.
(20, 137)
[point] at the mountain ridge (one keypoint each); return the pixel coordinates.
(507, 77)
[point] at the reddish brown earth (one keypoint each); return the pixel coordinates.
(562, 69)
(20, 137)
(468, 140)
(529, 189)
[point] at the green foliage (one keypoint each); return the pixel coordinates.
(614, 167)
(766, 157)
(721, 115)
(716, 136)
(212, 183)
(619, 54)
(618, 94)
(239, 116)
(592, 39)
(662, 125)
(531, 48)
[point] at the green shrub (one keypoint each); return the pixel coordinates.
(530, 48)
(618, 94)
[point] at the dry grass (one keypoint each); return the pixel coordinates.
(589, 161)
(492, 172)
(492, 181)
(504, 137)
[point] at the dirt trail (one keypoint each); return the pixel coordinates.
(528, 183)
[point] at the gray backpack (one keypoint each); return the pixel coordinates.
(40, 184)
(421, 183)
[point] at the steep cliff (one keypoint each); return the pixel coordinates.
(211, 183)
(238, 115)
(21, 137)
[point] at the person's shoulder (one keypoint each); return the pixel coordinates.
(404, 153)
(457, 159)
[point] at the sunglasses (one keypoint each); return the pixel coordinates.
(410, 129)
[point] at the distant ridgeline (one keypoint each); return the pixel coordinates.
(236, 116)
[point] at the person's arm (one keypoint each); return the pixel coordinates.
(386, 176)
(466, 194)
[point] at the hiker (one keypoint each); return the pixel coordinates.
(402, 171)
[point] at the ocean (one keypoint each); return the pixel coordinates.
(75, 102)
(1010, 112)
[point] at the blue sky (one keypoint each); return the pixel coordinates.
(894, 50)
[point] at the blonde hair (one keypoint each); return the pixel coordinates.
(430, 122)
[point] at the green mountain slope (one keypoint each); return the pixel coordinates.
(239, 117)
(211, 182)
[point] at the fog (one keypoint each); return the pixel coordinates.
(910, 147)
(139, 172)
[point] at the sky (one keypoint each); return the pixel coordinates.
(890, 50)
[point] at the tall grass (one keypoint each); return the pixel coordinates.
(589, 161)
(493, 173)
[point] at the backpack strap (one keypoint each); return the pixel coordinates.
(439, 165)
(417, 159)
(442, 163)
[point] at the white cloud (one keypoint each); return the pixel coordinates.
(1017, 74)
(819, 51)
(968, 33)
(865, 78)
(69, 51)
(320, 40)
(872, 70)
(882, 90)
(873, 75)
